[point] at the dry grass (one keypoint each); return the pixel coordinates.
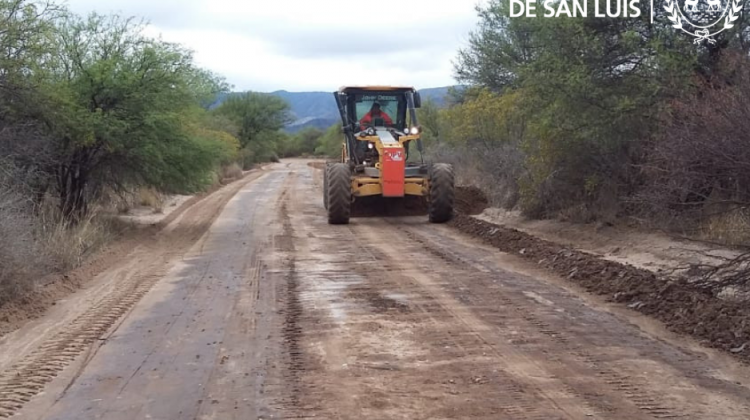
(495, 171)
(123, 206)
(66, 246)
(21, 254)
(35, 243)
(149, 197)
(231, 172)
(124, 203)
(731, 228)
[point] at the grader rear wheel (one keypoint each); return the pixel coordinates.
(325, 186)
(442, 193)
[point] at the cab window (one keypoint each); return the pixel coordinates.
(389, 103)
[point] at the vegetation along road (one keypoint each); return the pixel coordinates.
(248, 305)
(165, 251)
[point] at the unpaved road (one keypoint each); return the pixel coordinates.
(250, 306)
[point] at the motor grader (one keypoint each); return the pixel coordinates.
(376, 158)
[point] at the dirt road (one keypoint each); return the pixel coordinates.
(250, 306)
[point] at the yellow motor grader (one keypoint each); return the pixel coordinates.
(380, 125)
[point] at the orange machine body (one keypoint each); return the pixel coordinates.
(394, 171)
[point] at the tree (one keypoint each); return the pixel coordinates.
(305, 141)
(331, 142)
(255, 113)
(498, 47)
(259, 119)
(26, 28)
(699, 164)
(429, 118)
(117, 104)
(586, 92)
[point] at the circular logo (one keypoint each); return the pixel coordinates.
(703, 19)
(703, 14)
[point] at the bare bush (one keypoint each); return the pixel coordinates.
(495, 170)
(66, 245)
(231, 172)
(27, 159)
(698, 171)
(35, 240)
(21, 256)
(727, 280)
(150, 197)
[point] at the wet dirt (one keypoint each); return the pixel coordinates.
(404, 319)
(622, 242)
(38, 352)
(55, 287)
(376, 206)
(470, 200)
(317, 164)
(683, 307)
(260, 309)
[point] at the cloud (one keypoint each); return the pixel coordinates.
(365, 42)
(310, 45)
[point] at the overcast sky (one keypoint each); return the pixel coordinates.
(303, 45)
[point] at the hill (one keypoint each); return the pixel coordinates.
(301, 124)
(318, 109)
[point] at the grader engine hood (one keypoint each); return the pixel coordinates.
(394, 165)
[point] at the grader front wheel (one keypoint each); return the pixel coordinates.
(442, 193)
(339, 193)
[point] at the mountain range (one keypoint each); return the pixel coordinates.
(318, 109)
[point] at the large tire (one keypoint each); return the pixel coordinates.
(442, 193)
(325, 186)
(339, 194)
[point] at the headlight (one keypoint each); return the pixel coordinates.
(370, 131)
(414, 131)
(370, 145)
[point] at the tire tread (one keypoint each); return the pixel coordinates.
(442, 193)
(339, 194)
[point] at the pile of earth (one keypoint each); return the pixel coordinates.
(468, 200)
(378, 206)
(683, 306)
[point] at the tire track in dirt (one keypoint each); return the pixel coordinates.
(376, 343)
(54, 287)
(292, 313)
(521, 387)
(285, 386)
(684, 307)
(599, 361)
(558, 342)
(26, 378)
(236, 387)
(571, 351)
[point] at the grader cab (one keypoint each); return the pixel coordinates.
(381, 130)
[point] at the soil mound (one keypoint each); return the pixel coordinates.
(684, 307)
(378, 206)
(470, 200)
